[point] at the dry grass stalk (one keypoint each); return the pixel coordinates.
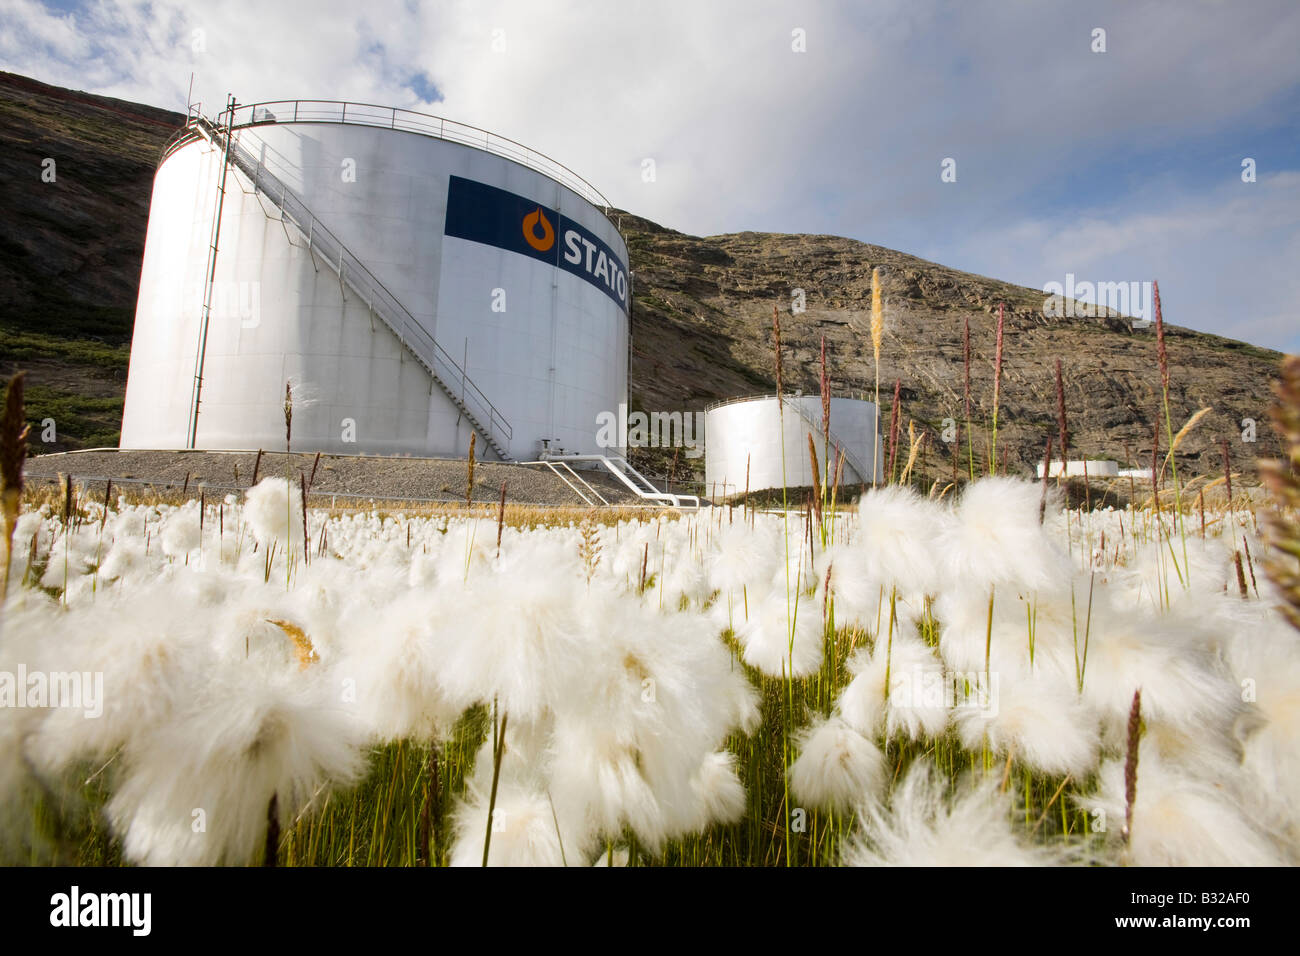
(776, 348)
(915, 443)
(1191, 423)
(893, 426)
(306, 538)
(1250, 564)
(1155, 467)
(997, 390)
(877, 336)
(13, 452)
(589, 549)
(65, 489)
(1131, 764)
(1060, 413)
(469, 470)
(965, 357)
(302, 644)
(430, 813)
(1182, 433)
(816, 475)
(270, 856)
(877, 322)
(108, 498)
(501, 517)
(1162, 356)
(826, 400)
(1283, 481)
(1047, 468)
(1227, 469)
(288, 414)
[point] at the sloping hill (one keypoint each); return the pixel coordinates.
(70, 249)
(70, 263)
(702, 331)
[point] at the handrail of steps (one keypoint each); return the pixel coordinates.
(621, 469)
(483, 416)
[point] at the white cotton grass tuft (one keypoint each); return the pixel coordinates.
(744, 558)
(995, 541)
(273, 511)
(783, 635)
(71, 555)
(718, 790)
(968, 645)
(862, 702)
(149, 666)
(598, 786)
(509, 636)
(1039, 722)
(1184, 682)
(27, 527)
(125, 561)
(1266, 666)
(523, 829)
(394, 673)
(181, 533)
(622, 704)
(1179, 819)
(17, 784)
(239, 742)
(640, 704)
(837, 767)
(918, 703)
(924, 826)
(892, 553)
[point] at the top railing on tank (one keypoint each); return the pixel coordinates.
(426, 124)
(771, 396)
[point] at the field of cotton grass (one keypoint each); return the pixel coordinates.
(913, 680)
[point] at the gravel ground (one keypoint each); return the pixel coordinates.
(433, 479)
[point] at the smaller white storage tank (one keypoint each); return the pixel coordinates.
(1096, 468)
(745, 437)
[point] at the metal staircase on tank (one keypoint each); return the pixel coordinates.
(482, 415)
(794, 402)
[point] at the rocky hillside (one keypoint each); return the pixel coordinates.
(70, 249)
(703, 331)
(70, 261)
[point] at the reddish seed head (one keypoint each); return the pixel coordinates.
(997, 362)
(1060, 410)
(965, 347)
(1161, 354)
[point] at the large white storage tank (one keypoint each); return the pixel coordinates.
(745, 439)
(375, 242)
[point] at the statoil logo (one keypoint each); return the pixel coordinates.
(537, 220)
(600, 266)
(496, 217)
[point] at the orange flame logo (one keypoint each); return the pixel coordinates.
(543, 242)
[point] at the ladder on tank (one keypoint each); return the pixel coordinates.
(843, 447)
(482, 415)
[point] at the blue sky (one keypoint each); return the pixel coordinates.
(1123, 165)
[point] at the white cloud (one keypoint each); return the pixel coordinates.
(845, 138)
(1225, 259)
